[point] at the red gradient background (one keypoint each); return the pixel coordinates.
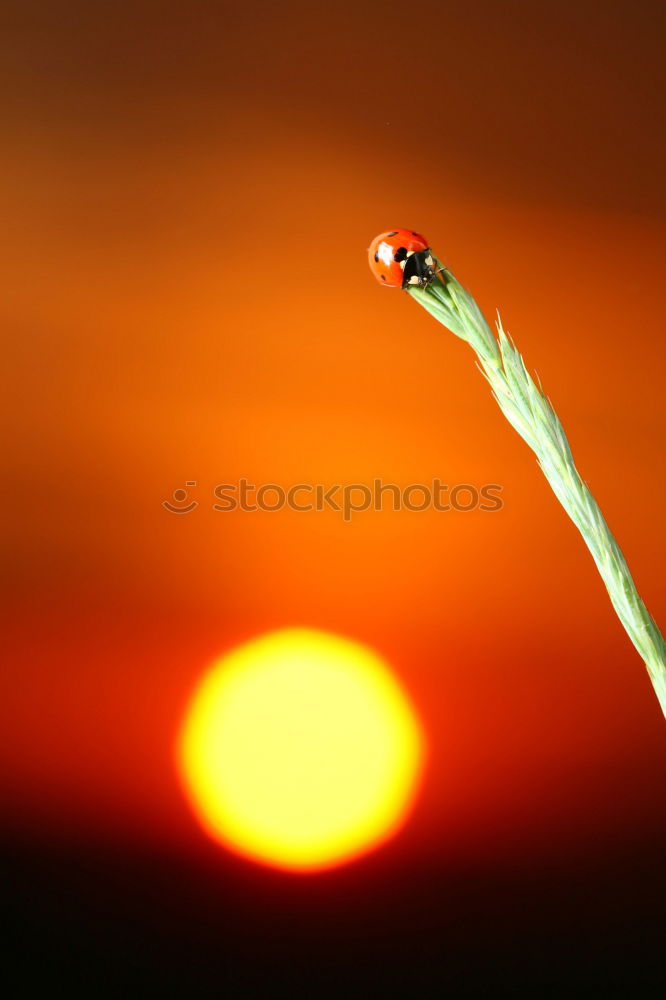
(188, 194)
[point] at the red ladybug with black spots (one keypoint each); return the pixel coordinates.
(401, 258)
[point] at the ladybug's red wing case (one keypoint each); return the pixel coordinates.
(384, 258)
(401, 257)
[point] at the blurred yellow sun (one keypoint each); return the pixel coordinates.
(300, 750)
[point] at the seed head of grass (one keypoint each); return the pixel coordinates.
(530, 412)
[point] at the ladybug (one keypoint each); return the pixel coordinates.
(401, 258)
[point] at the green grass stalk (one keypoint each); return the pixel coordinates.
(531, 414)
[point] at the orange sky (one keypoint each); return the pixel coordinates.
(187, 203)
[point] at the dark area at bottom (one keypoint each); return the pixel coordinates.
(136, 921)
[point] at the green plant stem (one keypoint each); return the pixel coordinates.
(530, 412)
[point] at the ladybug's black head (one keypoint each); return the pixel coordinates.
(419, 269)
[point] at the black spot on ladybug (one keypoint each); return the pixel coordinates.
(400, 254)
(376, 257)
(394, 233)
(383, 277)
(415, 234)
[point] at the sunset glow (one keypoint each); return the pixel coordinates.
(300, 750)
